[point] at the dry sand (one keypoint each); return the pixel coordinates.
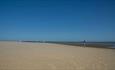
(43, 56)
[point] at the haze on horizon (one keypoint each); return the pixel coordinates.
(61, 20)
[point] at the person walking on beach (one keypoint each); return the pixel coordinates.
(84, 43)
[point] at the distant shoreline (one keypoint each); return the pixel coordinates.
(109, 45)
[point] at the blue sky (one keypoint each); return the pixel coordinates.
(62, 20)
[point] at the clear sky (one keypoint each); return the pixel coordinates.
(64, 20)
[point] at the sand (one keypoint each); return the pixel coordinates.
(44, 56)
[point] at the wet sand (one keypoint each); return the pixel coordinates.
(44, 56)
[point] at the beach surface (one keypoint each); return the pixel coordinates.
(45, 56)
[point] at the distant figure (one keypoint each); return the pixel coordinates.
(84, 43)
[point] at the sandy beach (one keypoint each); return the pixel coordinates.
(44, 56)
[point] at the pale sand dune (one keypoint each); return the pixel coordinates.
(43, 56)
